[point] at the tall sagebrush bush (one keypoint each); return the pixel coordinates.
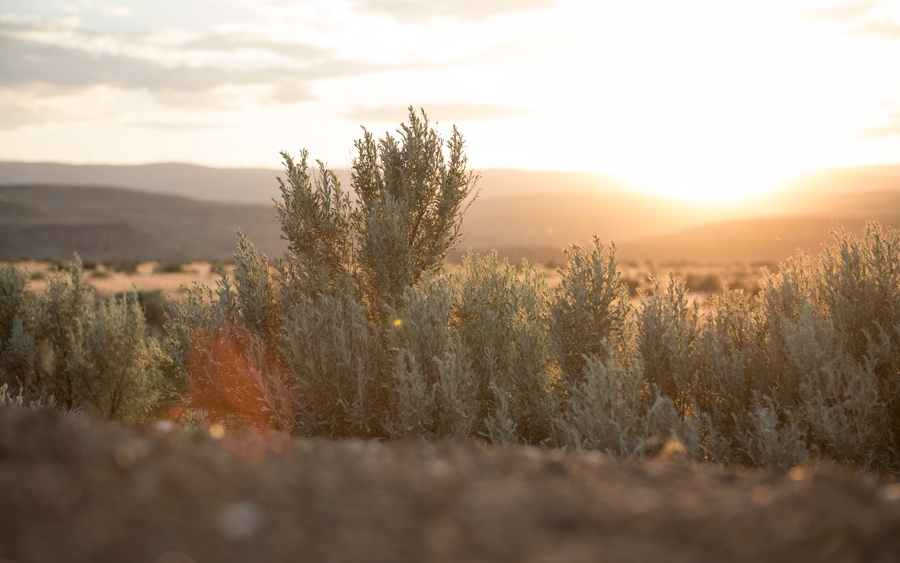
(331, 349)
(370, 250)
(350, 263)
(410, 206)
(840, 401)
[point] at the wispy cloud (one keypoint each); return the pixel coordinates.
(236, 42)
(418, 10)
(604, 83)
(32, 57)
(196, 73)
(27, 63)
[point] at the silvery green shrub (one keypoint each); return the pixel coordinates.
(590, 314)
(668, 333)
(501, 320)
(434, 386)
(332, 347)
(18, 321)
(81, 352)
(768, 435)
(328, 323)
(731, 351)
(410, 203)
(362, 333)
(221, 349)
(350, 263)
(860, 291)
(808, 367)
(603, 409)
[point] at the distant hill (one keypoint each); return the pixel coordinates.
(172, 211)
(762, 240)
(238, 185)
(829, 191)
(557, 219)
(43, 221)
(260, 185)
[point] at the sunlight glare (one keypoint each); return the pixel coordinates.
(715, 186)
(716, 117)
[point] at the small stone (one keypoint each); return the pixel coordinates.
(240, 520)
(164, 426)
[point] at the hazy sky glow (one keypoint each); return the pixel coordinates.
(697, 98)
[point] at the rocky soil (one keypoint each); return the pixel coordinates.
(76, 490)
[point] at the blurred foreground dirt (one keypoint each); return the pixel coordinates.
(77, 491)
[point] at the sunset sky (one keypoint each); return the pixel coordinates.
(693, 98)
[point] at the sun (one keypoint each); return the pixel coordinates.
(711, 185)
(696, 108)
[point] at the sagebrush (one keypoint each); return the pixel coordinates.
(358, 331)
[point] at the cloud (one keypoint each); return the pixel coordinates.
(232, 43)
(445, 113)
(52, 67)
(27, 63)
(419, 10)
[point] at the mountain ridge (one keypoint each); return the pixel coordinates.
(520, 213)
(105, 222)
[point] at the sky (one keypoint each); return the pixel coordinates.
(705, 100)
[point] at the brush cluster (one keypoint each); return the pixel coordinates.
(360, 332)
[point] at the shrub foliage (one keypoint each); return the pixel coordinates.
(358, 331)
(67, 346)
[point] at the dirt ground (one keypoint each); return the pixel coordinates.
(146, 277)
(76, 490)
